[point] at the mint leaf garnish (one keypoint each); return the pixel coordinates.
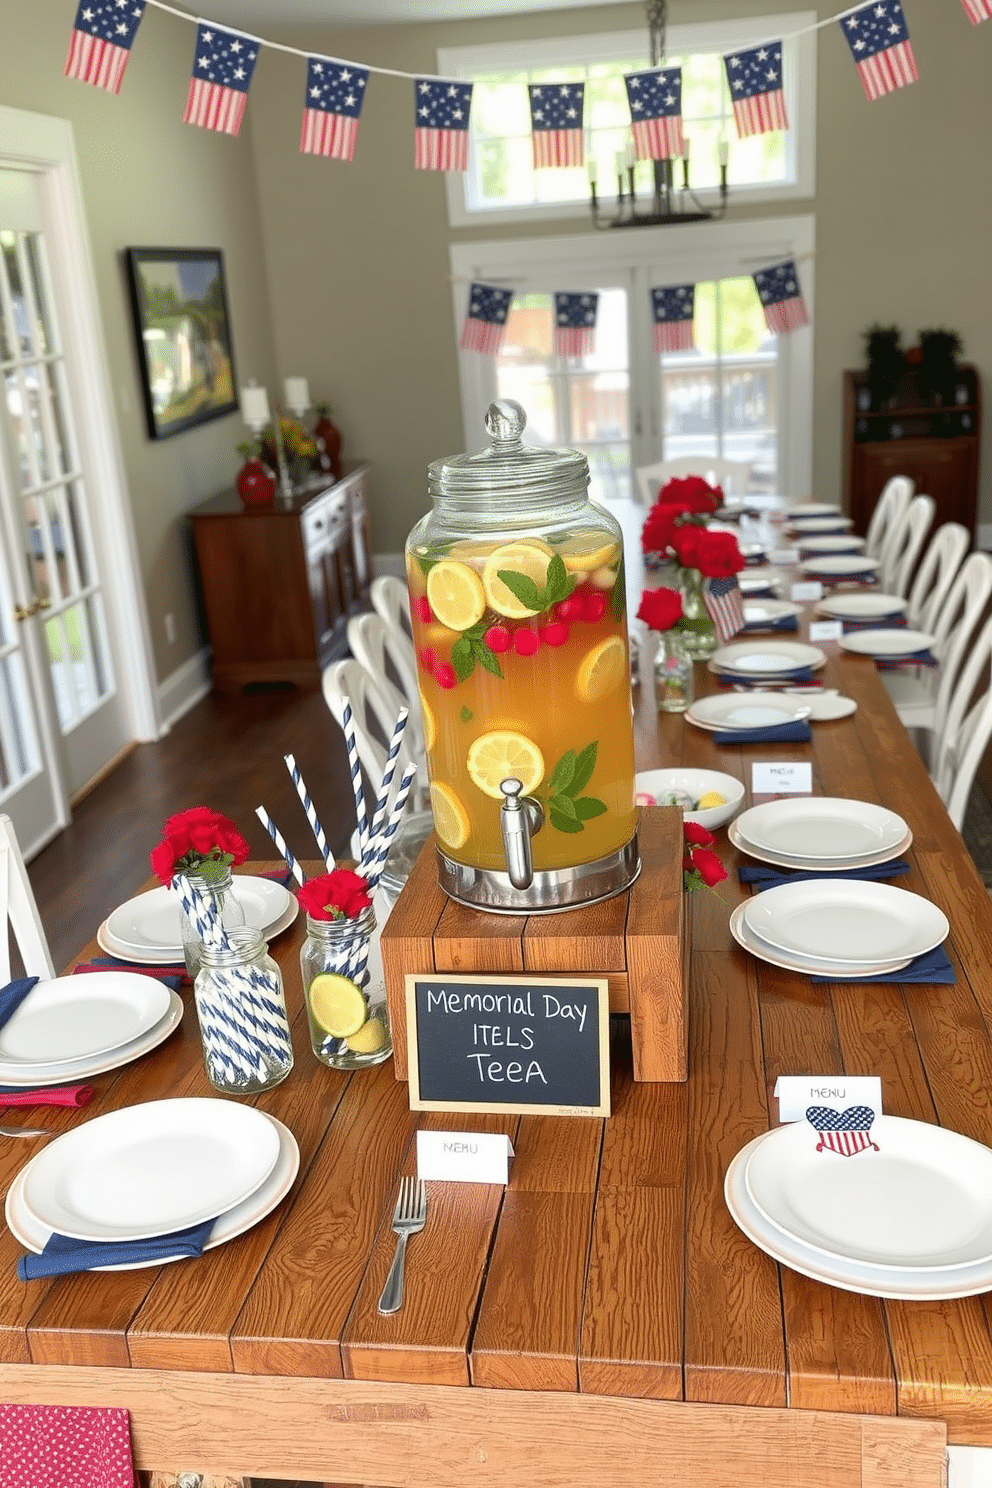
(585, 763)
(463, 659)
(586, 807)
(561, 776)
(432, 555)
(563, 804)
(466, 715)
(564, 823)
(522, 587)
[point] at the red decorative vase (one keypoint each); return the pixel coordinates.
(256, 484)
(328, 440)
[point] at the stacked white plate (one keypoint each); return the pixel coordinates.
(71, 1028)
(861, 606)
(820, 834)
(747, 711)
(844, 543)
(885, 644)
(758, 581)
(148, 1170)
(759, 612)
(146, 928)
(912, 1219)
(751, 660)
(802, 511)
(841, 566)
(834, 522)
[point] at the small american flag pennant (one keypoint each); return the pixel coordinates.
(556, 123)
(845, 1132)
(484, 326)
(722, 598)
(879, 40)
(781, 297)
(978, 10)
(655, 100)
(754, 78)
(332, 107)
(223, 64)
(441, 115)
(575, 324)
(101, 40)
(672, 308)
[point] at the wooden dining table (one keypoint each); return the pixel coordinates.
(601, 1320)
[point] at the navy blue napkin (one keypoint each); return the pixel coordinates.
(779, 733)
(63, 1255)
(913, 659)
(13, 995)
(172, 975)
(734, 679)
(845, 552)
(933, 967)
(831, 580)
(770, 878)
(880, 622)
(759, 592)
(784, 622)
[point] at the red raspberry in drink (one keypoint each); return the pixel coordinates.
(593, 607)
(445, 674)
(427, 658)
(424, 611)
(525, 642)
(571, 609)
(498, 638)
(555, 634)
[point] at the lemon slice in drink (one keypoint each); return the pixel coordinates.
(502, 755)
(530, 558)
(430, 727)
(450, 817)
(589, 550)
(456, 594)
(601, 670)
(338, 1004)
(369, 1039)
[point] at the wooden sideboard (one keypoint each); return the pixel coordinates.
(279, 582)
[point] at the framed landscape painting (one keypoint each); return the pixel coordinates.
(184, 336)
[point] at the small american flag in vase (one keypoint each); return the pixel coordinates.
(722, 598)
(781, 297)
(655, 100)
(441, 115)
(101, 40)
(978, 10)
(484, 326)
(844, 1132)
(879, 40)
(223, 63)
(556, 123)
(755, 81)
(332, 106)
(672, 307)
(575, 324)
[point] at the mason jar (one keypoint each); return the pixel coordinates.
(347, 1014)
(216, 892)
(242, 1014)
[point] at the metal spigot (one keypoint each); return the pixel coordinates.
(520, 818)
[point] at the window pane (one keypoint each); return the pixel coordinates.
(21, 328)
(43, 317)
(690, 410)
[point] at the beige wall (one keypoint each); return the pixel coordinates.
(357, 253)
(149, 180)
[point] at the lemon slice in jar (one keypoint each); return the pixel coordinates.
(338, 1004)
(430, 727)
(528, 557)
(369, 1039)
(455, 594)
(586, 551)
(451, 821)
(503, 755)
(601, 670)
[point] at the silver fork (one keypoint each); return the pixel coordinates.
(24, 1131)
(409, 1217)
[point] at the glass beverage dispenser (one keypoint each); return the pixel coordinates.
(519, 622)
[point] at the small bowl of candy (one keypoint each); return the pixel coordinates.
(706, 796)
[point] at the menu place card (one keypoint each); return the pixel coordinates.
(464, 1157)
(826, 630)
(796, 1093)
(782, 557)
(529, 1044)
(790, 778)
(806, 591)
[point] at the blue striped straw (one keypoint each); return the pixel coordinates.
(310, 811)
(382, 800)
(202, 912)
(280, 843)
(355, 767)
(373, 864)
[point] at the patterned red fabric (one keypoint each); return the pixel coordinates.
(55, 1446)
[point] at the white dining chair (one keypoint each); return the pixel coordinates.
(23, 919)
(938, 569)
(922, 696)
(391, 600)
(731, 475)
(890, 506)
(902, 554)
(373, 715)
(966, 729)
(390, 660)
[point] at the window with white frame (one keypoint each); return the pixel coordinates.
(501, 183)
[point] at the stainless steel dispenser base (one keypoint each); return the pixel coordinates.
(549, 893)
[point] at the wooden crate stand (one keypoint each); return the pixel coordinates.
(639, 941)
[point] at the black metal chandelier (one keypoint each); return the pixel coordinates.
(670, 202)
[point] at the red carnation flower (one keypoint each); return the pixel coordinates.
(686, 544)
(708, 866)
(198, 841)
(341, 895)
(660, 609)
(717, 555)
(659, 528)
(696, 835)
(690, 493)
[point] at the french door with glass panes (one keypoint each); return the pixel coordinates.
(60, 722)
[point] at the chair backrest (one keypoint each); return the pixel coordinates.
(966, 729)
(22, 911)
(936, 573)
(731, 475)
(904, 550)
(390, 660)
(391, 599)
(955, 627)
(373, 717)
(896, 495)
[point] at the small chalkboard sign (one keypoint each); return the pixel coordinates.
(499, 1043)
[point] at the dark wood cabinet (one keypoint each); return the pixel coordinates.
(280, 582)
(937, 446)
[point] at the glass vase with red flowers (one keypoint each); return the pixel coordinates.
(661, 611)
(675, 535)
(202, 845)
(346, 1007)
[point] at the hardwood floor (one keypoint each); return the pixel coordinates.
(226, 753)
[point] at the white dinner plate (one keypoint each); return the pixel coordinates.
(816, 865)
(75, 1017)
(924, 1199)
(884, 643)
(169, 957)
(849, 1276)
(802, 526)
(841, 565)
(845, 920)
(825, 706)
(822, 827)
(746, 710)
(768, 611)
(71, 1071)
(842, 543)
(34, 1235)
(148, 1169)
(150, 921)
(803, 509)
(837, 971)
(759, 581)
(766, 658)
(861, 606)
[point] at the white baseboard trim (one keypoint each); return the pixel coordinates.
(184, 688)
(390, 563)
(983, 537)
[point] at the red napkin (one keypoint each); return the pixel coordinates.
(56, 1095)
(52, 1446)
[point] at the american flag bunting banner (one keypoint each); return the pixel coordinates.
(655, 100)
(101, 40)
(484, 326)
(672, 308)
(223, 63)
(845, 1132)
(441, 113)
(575, 324)
(781, 297)
(978, 10)
(332, 107)
(722, 598)
(556, 123)
(754, 78)
(879, 40)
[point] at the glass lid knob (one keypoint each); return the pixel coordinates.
(505, 422)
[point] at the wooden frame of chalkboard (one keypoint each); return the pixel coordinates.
(530, 1045)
